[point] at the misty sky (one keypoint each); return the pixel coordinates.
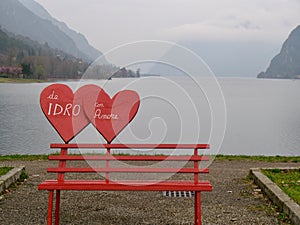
(234, 37)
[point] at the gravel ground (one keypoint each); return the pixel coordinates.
(234, 200)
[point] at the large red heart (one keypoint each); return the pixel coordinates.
(64, 110)
(110, 115)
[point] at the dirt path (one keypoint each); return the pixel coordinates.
(233, 201)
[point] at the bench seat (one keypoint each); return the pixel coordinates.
(126, 185)
(109, 171)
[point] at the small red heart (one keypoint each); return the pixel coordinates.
(110, 115)
(64, 110)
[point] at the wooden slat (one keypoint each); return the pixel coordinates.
(132, 146)
(147, 185)
(127, 170)
(129, 158)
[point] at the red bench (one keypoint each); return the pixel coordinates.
(105, 165)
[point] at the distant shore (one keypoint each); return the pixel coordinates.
(272, 159)
(20, 80)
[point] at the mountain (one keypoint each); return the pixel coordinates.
(79, 39)
(287, 63)
(37, 24)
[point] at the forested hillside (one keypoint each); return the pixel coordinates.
(37, 60)
(21, 57)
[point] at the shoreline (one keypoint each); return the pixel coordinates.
(20, 80)
(273, 159)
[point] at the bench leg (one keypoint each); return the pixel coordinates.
(57, 207)
(50, 208)
(198, 208)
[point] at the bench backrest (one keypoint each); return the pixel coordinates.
(129, 164)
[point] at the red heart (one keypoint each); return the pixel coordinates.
(64, 110)
(110, 115)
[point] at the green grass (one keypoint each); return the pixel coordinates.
(4, 170)
(294, 159)
(19, 80)
(23, 176)
(218, 157)
(23, 157)
(288, 181)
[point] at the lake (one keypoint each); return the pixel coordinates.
(257, 116)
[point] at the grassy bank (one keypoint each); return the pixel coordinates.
(23, 157)
(20, 80)
(4, 170)
(288, 181)
(294, 159)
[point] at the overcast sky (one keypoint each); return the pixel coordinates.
(197, 24)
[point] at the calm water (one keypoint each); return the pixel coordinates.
(263, 116)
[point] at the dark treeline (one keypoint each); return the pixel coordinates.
(39, 61)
